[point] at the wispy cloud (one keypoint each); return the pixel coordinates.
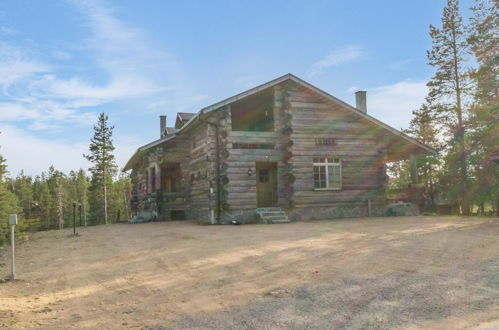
(37, 93)
(43, 152)
(352, 89)
(16, 65)
(337, 57)
(247, 81)
(133, 69)
(16, 142)
(397, 65)
(394, 103)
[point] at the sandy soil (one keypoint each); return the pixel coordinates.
(412, 272)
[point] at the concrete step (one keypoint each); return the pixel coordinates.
(281, 221)
(269, 214)
(272, 215)
(268, 209)
(276, 217)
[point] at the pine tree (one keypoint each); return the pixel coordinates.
(423, 127)
(484, 41)
(104, 167)
(448, 88)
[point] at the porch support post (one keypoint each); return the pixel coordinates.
(158, 176)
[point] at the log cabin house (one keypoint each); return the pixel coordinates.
(282, 150)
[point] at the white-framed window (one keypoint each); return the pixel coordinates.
(327, 173)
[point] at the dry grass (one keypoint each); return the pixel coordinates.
(414, 272)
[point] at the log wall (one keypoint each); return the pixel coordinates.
(300, 117)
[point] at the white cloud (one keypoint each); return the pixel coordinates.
(38, 94)
(5, 30)
(61, 55)
(33, 154)
(16, 112)
(393, 104)
(399, 64)
(336, 57)
(36, 91)
(15, 65)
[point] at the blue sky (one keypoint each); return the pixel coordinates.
(64, 61)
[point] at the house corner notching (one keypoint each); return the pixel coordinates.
(284, 145)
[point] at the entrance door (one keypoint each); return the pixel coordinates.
(266, 184)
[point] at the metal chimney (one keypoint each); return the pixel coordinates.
(360, 101)
(162, 126)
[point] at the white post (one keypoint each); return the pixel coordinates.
(212, 211)
(12, 223)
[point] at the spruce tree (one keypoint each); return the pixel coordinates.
(448, 89)
(104, 166)
(8, 204)
(423, 128)
(23, 188)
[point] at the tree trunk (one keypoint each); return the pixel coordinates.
(84, 214)
(60, 209)
(432, 191)
(105, 195)
(460, 132)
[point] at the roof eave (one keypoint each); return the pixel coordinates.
(133, 159)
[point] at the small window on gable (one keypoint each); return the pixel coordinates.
(327, 173)
(254, 113)
(324, 141)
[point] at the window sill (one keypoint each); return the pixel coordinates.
(322, 189)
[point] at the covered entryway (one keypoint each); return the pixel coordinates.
(266, 184)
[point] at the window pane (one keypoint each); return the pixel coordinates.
(334, 176)
(264, 175)
(319, 176)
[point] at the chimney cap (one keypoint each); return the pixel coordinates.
(162, 126)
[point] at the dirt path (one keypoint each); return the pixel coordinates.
(417, 272)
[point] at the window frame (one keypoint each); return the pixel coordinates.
(328, 164)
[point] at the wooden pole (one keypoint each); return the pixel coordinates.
(13, 223)
(12, 245)
(74, 218)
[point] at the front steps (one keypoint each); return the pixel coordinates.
(272, 215)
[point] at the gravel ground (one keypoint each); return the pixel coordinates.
(377, 273)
